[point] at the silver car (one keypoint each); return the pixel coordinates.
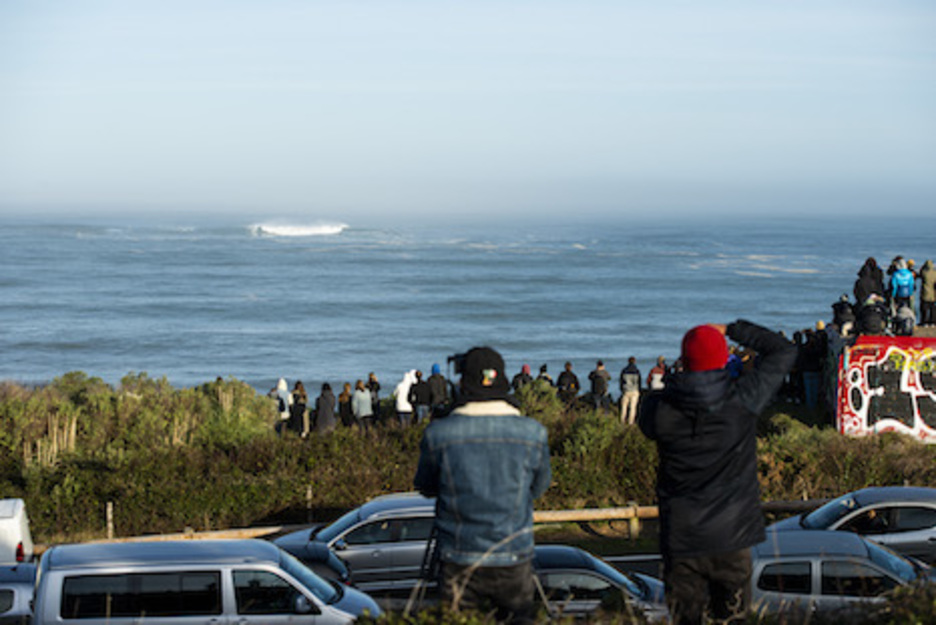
(814, 571)
(16, 592)
(900, 517)
(383, 541)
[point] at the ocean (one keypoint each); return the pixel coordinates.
(330, 301)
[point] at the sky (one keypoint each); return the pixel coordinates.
(347, 110)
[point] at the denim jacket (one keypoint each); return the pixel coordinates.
(485, 463)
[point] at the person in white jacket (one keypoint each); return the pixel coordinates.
(404, 408)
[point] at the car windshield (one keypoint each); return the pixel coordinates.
(328, 534)
(316, 585)
(892, 562)
(619, 578)
(824, 516)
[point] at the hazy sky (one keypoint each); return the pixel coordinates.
(334, 110)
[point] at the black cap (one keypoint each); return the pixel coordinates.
(483, 376)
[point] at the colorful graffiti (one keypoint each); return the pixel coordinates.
(888, 384)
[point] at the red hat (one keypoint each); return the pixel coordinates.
(703, 349)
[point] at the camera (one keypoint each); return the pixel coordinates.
(459, 361)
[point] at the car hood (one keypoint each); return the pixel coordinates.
(297, 538)
(355, 602)
(791, 523)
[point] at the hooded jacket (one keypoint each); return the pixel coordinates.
(704, 424)
(402, 391)
(870, 280)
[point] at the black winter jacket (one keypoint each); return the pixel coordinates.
(704, 424)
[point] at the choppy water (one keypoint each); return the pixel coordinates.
(331, 302)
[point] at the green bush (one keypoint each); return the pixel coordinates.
(208, 458)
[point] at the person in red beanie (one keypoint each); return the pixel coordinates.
(704, 424)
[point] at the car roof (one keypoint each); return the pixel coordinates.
(811, 543)
(25, 573)
(159, 553)
(397, 504)
(894, 494)
(10, 507)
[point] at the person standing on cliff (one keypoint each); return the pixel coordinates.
(704, 424)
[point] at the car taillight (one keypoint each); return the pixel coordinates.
(20, 553)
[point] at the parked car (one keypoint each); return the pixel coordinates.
(188, 581)
(900, 517)
(577, 583)
(16, 543)
(384, 542)
(816, 571)
(16, 593)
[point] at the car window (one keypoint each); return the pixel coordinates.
(869, 522)
(911, 518)
(263, 592)
(854, 580)
(787, 577)
(826, 515)
(369, 533)
(6, 601)
(415, 529)
(568, 586)
(142, 594)
(313, 583)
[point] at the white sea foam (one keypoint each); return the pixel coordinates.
(317, 229)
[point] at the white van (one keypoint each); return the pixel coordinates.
(186, 582)
(16, 543)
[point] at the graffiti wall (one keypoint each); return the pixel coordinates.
(888, 384)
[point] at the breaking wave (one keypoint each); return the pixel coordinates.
(297, 230)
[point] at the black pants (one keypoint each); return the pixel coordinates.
(720, 583)
(507, 589)
(927, 313)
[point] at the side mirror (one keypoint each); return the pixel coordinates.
(340, 545)
(303, 605)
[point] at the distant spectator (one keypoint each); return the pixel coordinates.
(345, 413)
(438, 391)
(811, 365)
(283, 402)
(870, 281)
(544, 376)
(374, 387)
(843, 316)
(325, 410)
(599, 379)
(928, 294)
(567, 384)
(630, 383)
(872, 316)
(521, 379)
(419, 398)
(298, 417)
(361, 405)
(656, 379)
(404, 408)
(902, 285)
(904, 321)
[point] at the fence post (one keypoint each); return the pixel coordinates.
(110, 520)
(633, 523)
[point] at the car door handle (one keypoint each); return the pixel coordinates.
(376, 553)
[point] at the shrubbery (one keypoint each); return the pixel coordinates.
(207, 458)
